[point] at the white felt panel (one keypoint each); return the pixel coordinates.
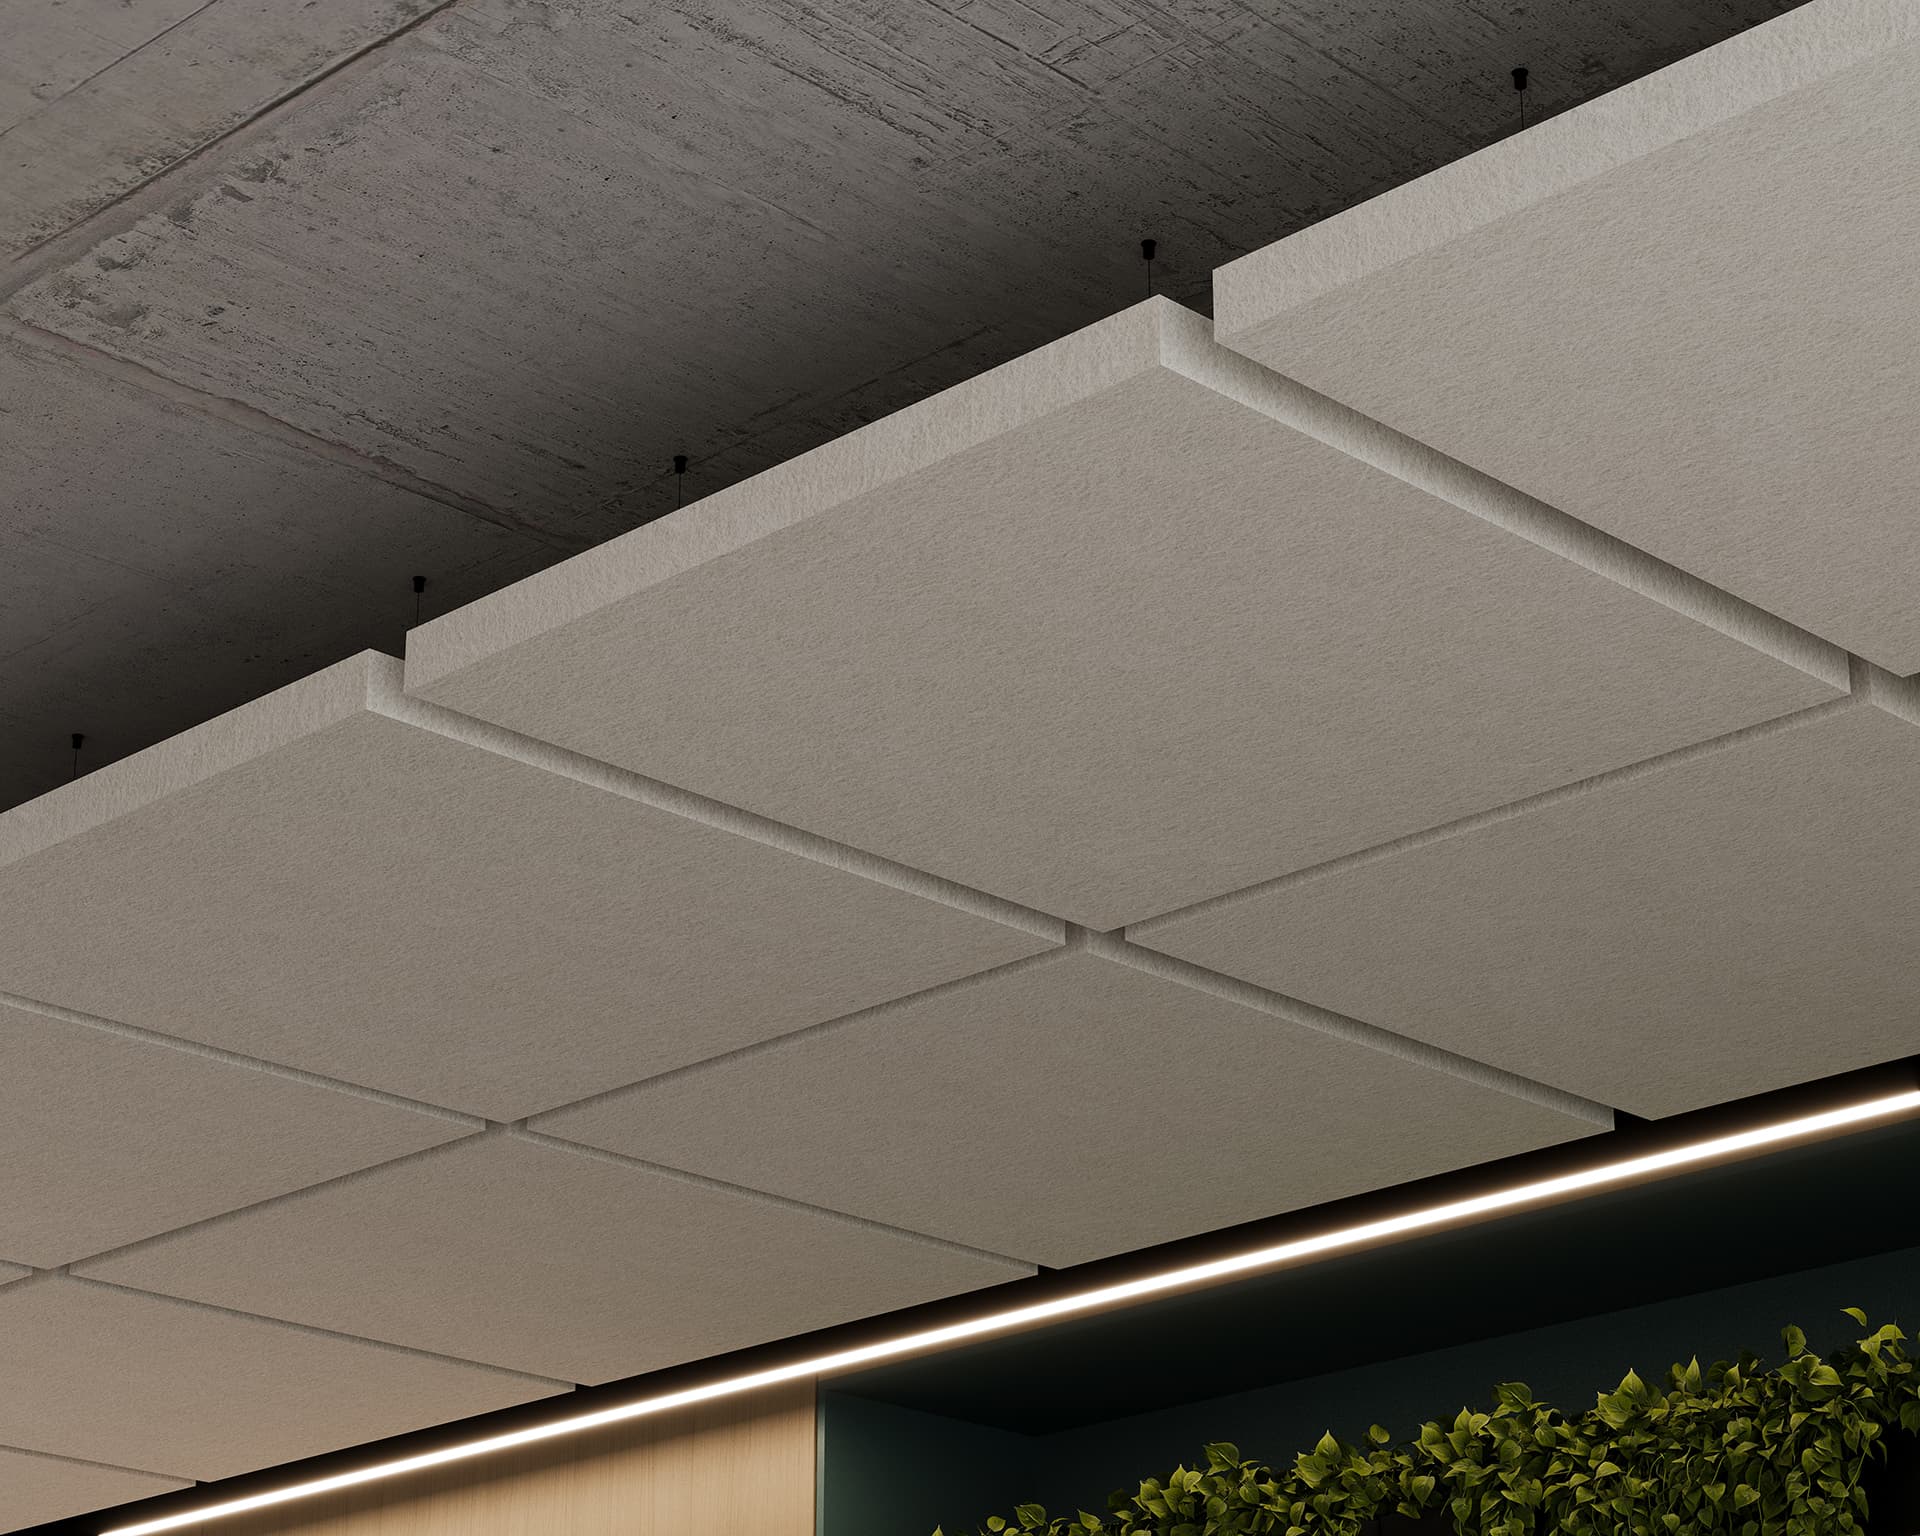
(338, 879)
(1734, 923)
(554, 1261)
(1065, 1110)
(36, 1488)
(1120, 625)
(106, 1138)
(107, 1375)
(1683, 312)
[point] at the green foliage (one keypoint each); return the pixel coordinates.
(1734, 1449)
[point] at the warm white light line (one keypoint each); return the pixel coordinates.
(1537, 1192)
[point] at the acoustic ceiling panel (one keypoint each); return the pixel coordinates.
(1716, 927)
(13, 1272)
(1683, 312)
(102, 1374)
(1123, 624)
(344, 881)
(106, 1137)
(1068, 1109)
(558, 1261)
(35, 1488)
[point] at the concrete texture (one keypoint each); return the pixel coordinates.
(1736, 921)
(1681, 313)
(1044, 634)
(555, 243)
(112, 1376)
(329, 880)
(1142, 1110)
(106, 1137)
(40, 1488)
(553, 1261)
(162, 566)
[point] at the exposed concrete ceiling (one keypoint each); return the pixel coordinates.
(300, 301)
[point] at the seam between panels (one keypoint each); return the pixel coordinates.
(221, 1218)
(104, 1466)
(767, 1197)
(407, 1350)
(716, 814)
(1493, 501)
(1144, 931)
(1340, 1026)
(1072, 940)
(139, 1035)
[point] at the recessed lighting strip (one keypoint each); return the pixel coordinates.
(1538, 1192)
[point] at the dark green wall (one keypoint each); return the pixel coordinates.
(893, 1471)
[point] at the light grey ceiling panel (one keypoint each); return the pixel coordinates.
(340, 880)
(1123, 624)
(36, 1488)
(1738, 921)
(1683, 312)
(555, 1261)
(1067, 1109)
(106, 1138)
(103, 1374)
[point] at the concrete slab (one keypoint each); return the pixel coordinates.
(1732, 922)
(109, 1375)
(43, 1488)
(107, 1137)
(337, 879)
(1121, 625)
(1680, 312)
(553, 1261)
(1012, 1112)
(162, 565)
(98, 97)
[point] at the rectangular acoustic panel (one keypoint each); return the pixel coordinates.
(345, 881)
(1125, 623)
(107, 1375)
(1070, 1108)
(562, 1262)
(106, 1137)
(36, 1488)
(1737, 921)
(1683, 312)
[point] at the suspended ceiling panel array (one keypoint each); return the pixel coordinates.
(1683, 312)
(116, 1137)
(1051, 634)
(795, 908)
(551, 1260)
(337, 881)
(120, 1378)
(1040, 1080)
(1733, 922)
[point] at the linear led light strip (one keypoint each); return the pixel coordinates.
(1538, 1192)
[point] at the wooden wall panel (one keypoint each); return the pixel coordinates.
(736, 1467)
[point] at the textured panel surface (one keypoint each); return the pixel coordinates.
(318, 883)
(105, 1375)
(12, 1272)
(559, 1262)
(36, 1488)
(1065, 1110)
(1119, 626)
(1711, 929)
(1682, 312)
(105, 1138)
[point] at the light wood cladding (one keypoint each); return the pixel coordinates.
(736, 1467)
